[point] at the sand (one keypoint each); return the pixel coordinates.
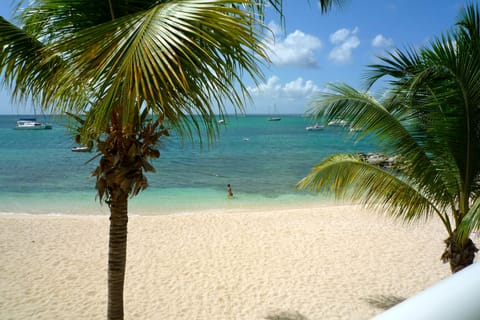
(336, 262)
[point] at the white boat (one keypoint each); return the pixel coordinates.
(338, 123)
(31, 124)
(315, 127)
(274, 119)
(81, 149)
(353, 129)
(221, 121)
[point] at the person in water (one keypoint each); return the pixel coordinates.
(229, 191)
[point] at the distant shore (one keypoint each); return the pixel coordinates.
(325, 262)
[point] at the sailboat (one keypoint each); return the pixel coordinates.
(274, 118)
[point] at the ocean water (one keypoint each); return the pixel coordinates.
(261, 159)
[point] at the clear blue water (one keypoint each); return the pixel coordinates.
(40, 174)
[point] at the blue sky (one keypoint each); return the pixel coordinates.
(314, 49)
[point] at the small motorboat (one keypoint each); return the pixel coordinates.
(81, 149)
(315, 127)
(31, 124)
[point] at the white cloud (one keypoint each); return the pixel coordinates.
(300, 88)
(345, 40)
(381, 42)
(296, 49)
(289, 97)
(339, 36)
(273, 88)
(276, 29)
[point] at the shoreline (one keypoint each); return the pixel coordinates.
(322, 262)
(153, 202)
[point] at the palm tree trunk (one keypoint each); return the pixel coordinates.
(117, 253)
(458, 253)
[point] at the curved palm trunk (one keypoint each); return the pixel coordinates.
(459, 254)
(117, 253)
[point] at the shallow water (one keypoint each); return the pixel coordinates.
(261, 159)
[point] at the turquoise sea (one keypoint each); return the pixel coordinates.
(261, 159)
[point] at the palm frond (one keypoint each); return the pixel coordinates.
(178, 59)
(391, 124)
(19, 62)
(397, 66)
(471, 222)
(442, 85)
(350, 178)
(327, 5)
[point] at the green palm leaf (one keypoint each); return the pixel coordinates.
(391, 124)
(165, 59)
(351, 178)
(21, 63)
(471, 221)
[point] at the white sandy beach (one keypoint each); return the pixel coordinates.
(319, 262)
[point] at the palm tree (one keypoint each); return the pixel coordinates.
(137, 69)
(430, 118)
(124, 61)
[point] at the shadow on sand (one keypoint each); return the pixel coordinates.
(383, 301)
(286, 315)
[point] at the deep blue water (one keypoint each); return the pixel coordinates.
(40, 173)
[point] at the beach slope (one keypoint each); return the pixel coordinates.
(336, 262)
